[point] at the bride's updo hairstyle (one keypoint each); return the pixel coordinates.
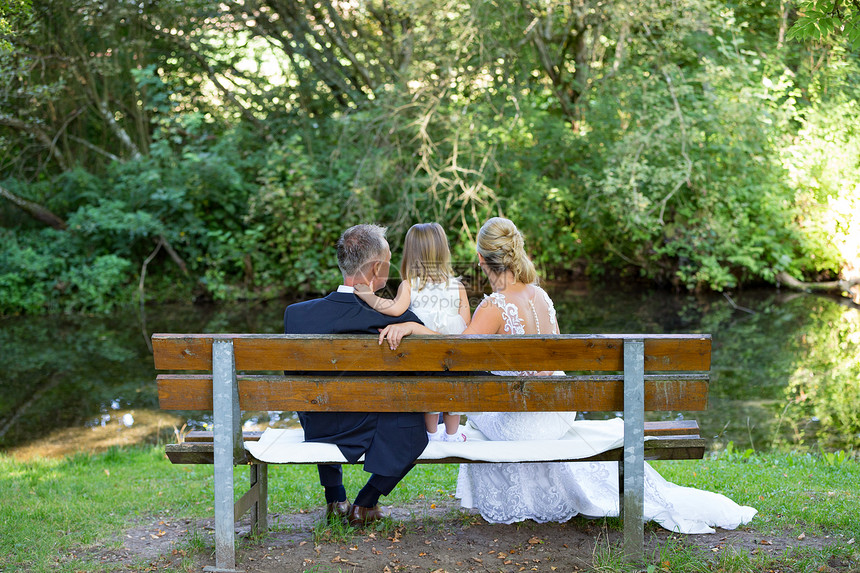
(503, 248)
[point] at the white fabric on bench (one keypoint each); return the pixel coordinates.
(585, 438)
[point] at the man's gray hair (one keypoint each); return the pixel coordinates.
(359, 245)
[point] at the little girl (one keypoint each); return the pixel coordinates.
(430, 290)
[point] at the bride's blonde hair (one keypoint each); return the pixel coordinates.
(503, 248)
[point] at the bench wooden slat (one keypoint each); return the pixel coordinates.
(436, 393)
(274, 352)
(667, 448)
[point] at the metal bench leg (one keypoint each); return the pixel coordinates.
(633, 496)
(225, 405)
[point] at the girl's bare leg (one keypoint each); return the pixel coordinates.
(452, 423)
(431, 422)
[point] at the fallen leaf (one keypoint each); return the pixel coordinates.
(801, 537)
(766, 542)
(534, 541)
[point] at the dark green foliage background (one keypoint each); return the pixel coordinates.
(199, 151)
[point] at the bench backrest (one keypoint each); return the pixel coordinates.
(675, 371)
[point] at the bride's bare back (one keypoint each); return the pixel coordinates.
(518, 309)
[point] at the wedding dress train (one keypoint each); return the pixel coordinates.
(557, 491)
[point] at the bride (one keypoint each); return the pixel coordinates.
(507, 493)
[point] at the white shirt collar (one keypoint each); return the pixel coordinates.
(344, 288)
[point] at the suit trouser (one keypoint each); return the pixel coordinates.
(331, 475)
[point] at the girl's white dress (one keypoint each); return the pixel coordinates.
(438, 305)
(507, 493)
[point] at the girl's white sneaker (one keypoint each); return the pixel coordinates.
(438, 435)
(458, 437)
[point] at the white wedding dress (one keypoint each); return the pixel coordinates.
(543, 492)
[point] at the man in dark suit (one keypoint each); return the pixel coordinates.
(390, 442)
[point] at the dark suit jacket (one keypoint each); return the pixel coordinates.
(390, 441)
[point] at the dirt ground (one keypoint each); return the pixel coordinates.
(438, 539)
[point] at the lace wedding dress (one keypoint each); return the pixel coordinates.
(511, 492)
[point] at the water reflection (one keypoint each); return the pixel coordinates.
(786, 368)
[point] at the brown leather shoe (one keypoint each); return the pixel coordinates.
(359, 516)
(337, 509)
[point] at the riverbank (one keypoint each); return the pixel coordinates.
(129, 509)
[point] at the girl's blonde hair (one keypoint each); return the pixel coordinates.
(503, 248)
(426, 256)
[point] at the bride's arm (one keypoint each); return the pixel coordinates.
(486, 320)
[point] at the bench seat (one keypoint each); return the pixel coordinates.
(663, 441)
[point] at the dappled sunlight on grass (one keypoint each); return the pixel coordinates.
(147, 426)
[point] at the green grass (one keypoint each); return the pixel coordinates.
(52, 509)
(794, 493)
(54, 512)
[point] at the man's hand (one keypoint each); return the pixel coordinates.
(395, 333)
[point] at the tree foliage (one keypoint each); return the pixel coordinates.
(224, 147)
(827, 20)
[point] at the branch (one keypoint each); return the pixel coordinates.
(95, 148)
(173, 255)
(84, 75)
(34, 210)
(36, 132)
(298, 27)
(213, 75)
(835, 287)
(735, 306)
(118, 130)
(687, 160)
(331, 32)
(554, 70)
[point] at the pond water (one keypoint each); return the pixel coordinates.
(785, 366)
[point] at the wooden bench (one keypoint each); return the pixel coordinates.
(606, 373)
